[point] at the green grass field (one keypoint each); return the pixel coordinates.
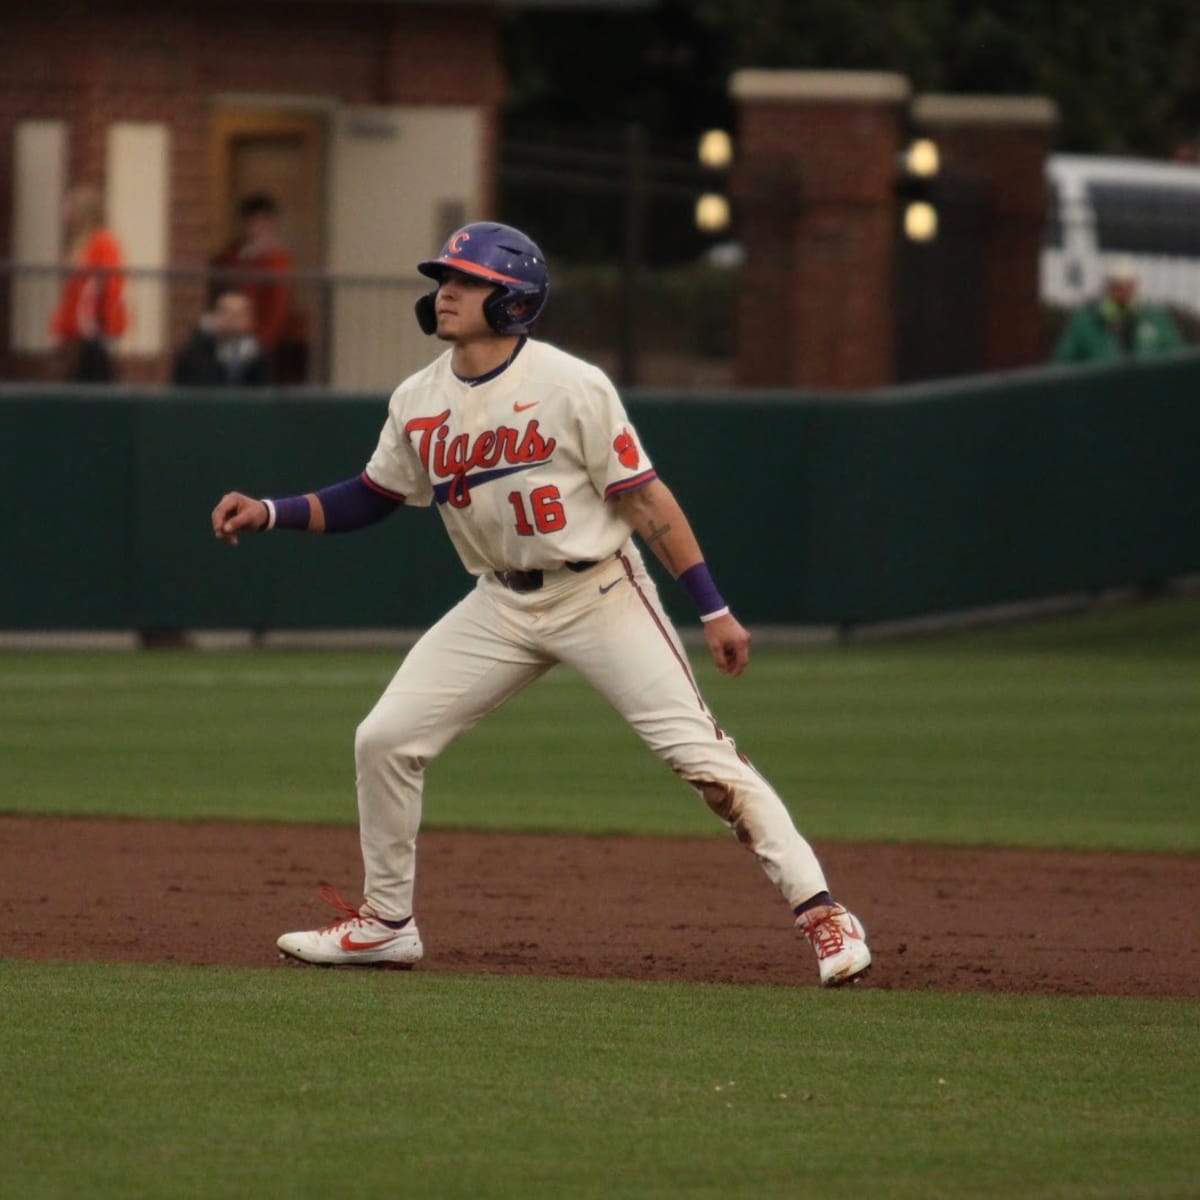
(186, 1082)
(122, 1081)
(1081, 731)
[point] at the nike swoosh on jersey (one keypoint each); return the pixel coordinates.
(518, 407)
(605, 590)
(441, 491)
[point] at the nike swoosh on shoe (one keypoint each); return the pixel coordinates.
(348, 943)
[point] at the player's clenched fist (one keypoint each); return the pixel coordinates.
(729, 643)
(236, 514)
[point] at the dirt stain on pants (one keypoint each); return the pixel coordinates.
(723, 801)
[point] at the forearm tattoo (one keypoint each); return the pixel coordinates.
(654, 538)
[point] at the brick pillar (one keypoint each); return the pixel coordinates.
(814, 187)
(1001, 143)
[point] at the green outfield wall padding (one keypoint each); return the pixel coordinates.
(812, 509)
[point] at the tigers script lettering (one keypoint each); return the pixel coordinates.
(453, 458)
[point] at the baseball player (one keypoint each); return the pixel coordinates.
(540, 479)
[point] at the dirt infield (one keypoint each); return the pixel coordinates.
(607, 907)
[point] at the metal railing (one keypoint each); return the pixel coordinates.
(359, 333)
(348, 332)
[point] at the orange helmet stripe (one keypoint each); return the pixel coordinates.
(469, 268)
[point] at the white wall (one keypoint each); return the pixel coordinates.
(138, 200)
(39, 182)
(401, 179)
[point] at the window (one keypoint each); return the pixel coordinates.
(1143, 219)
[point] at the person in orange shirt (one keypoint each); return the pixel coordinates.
(91, 310)
(258, 264)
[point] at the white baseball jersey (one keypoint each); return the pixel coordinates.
(520, 464)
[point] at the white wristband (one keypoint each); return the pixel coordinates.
(712, 616)
(270, 515)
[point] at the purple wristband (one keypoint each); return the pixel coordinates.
(292, 512)
(698, 582)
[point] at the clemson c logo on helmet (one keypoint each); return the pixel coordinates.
(454, 245)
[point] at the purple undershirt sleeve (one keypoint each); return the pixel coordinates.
(354, 504)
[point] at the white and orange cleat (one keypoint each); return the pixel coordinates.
(839, 942)
(359, 939)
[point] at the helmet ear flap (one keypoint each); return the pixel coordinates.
(427, 313)
(511, 314)
(497, 311)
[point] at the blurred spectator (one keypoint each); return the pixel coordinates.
(1117, 325)
(258, 263)
(223, 351)
(91, 309)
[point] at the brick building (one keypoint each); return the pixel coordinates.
(373, 122)
(834, 294)
(376, 124)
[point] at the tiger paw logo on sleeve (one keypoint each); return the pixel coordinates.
(626, 449)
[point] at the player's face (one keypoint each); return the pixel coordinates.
(459, 308)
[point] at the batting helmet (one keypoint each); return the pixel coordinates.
(503, 256)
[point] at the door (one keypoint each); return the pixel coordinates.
(280, 154)
(402, 179)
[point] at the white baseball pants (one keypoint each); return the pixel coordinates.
(608, 624)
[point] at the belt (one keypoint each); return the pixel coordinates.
(531, 581)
